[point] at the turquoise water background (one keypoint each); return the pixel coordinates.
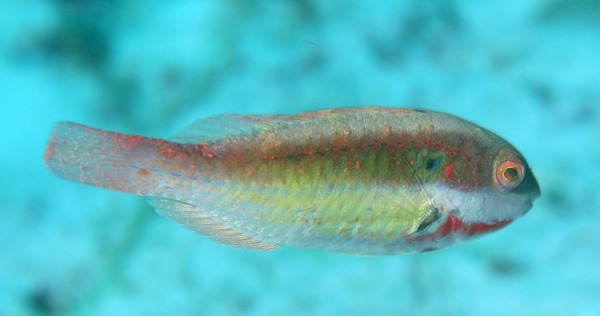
(527, 70)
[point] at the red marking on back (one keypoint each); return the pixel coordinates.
(428, 142)
(452, 151)
(449, 171)
(49, 150)
(204, 151)
(357, 165)
(166, 150)
(132, 141)
(126, 141)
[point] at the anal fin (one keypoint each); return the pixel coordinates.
(212, 227)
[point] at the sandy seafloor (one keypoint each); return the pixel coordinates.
(528, 70)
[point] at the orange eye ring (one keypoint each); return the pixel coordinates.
(509, 174)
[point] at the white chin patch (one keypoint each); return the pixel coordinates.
(485, 205)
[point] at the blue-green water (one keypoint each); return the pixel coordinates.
(527, 70)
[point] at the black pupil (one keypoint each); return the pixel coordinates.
(511, 174)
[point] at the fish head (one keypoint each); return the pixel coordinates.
(500, 187)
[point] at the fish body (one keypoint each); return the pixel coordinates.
(368, 180)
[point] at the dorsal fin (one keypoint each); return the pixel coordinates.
(210, 226)
(220, 127)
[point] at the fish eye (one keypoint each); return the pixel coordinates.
(509, 174)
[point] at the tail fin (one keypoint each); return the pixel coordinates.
(100, 158)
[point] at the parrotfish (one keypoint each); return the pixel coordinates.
(372, 180)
